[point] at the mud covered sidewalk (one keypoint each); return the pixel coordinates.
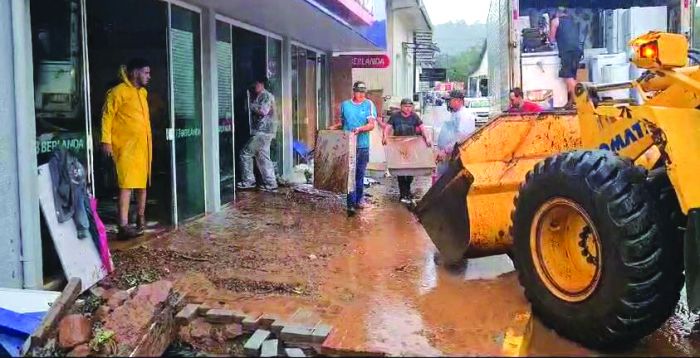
(372, 277)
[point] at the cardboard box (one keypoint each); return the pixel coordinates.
(409, 156)
(334, 161)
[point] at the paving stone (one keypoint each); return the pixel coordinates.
(219, 315)
(187, 314)
(294, 352)
(296, 334)
(270, 348)
(277, 326)
(253, 344)
(320, 333)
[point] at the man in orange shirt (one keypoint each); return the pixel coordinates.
(518, 104)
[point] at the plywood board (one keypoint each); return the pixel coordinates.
(409, 154)
(335, 161)
(79, 258)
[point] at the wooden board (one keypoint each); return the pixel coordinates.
(409, 156)
(335, 161)
(79, 258)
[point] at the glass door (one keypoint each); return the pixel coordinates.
(224, 67)
(186, 87)
(274, 76)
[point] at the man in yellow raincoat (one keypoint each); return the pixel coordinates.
(126, 137)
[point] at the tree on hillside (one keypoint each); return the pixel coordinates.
(460, 66)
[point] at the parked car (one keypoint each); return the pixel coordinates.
(480, 107)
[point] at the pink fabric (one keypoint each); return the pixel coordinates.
(105, 255)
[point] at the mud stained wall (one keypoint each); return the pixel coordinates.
(10, 249)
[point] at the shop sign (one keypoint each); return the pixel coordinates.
(188, 132)
(370, 61)
(49, 145)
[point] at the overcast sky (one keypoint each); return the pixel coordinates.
(471, 11)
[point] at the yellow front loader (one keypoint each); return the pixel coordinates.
(599, 209)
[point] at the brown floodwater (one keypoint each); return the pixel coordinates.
(373, 277)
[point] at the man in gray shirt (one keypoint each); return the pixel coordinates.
(263, 130)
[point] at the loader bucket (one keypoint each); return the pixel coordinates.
(443, 212)
(467, 212)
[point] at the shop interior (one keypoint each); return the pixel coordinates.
(606, 26)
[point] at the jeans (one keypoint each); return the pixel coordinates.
(405, 186)
(362, 160)
(258, 147)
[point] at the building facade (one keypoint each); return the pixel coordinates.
(60, 57)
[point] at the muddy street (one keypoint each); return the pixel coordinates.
(373, 277)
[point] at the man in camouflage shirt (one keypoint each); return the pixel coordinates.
(263, 130)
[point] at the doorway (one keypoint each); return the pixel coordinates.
(116, 34)
(249, 63)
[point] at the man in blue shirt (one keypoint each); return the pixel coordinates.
(358, 115)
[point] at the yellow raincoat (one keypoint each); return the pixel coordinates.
(126, 125)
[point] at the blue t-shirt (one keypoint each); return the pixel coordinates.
(355, 115)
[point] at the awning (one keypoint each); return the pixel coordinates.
(301, 20)
(593, 4)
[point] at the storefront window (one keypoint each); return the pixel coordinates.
(323, 92)
(59, 96)
(224, 66)
(274, 75)
(305, 105)
(187, 96)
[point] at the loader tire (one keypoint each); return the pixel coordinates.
(626, 282)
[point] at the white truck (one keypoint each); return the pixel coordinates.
(518, 58)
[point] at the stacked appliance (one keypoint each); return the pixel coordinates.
(620, 26)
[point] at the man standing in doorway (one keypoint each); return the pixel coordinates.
(461, 125)
(565, 32)
(264, 129)
(358, 115)
(405, 123)
(126, 137)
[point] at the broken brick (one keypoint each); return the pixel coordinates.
(232, 330)
(117, 299)
(294, 352)
(156, 292)
(253, 344)
(270, 348)
(187, 314)
(73, 330)
(219, 315)
(82, 350)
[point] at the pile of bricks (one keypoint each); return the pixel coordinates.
(271, 336)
